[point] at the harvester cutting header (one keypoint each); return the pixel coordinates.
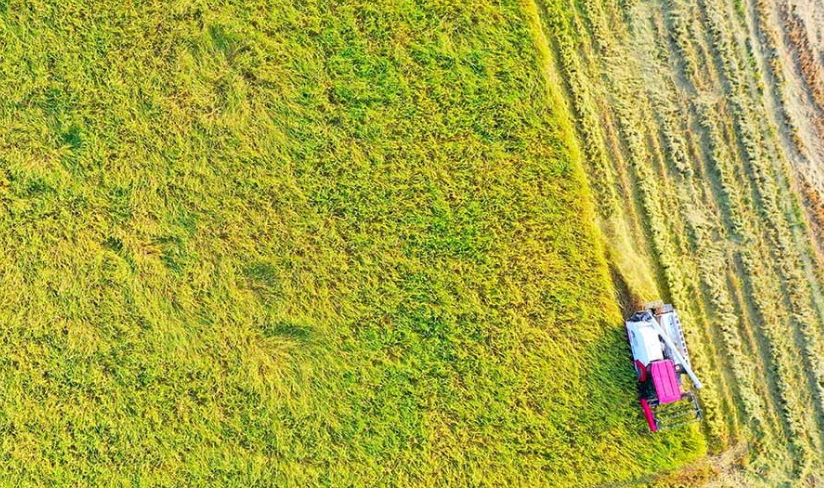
(661, 359)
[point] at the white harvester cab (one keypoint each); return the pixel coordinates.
(645, 344)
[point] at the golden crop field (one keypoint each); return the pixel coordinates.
(392, 243)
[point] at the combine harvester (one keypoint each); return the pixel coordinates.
(661, 359)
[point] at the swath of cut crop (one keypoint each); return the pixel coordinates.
(765, 186)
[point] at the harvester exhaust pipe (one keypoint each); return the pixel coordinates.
(677, 354)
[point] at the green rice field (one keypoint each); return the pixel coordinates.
(288, 243)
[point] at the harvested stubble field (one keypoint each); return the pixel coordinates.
(707, 115)
(357, 243)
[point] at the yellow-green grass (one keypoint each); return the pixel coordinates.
(302, 244)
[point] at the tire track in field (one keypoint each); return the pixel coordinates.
(622, 229)
(631, 234)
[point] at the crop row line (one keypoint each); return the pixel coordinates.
(770, 41)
